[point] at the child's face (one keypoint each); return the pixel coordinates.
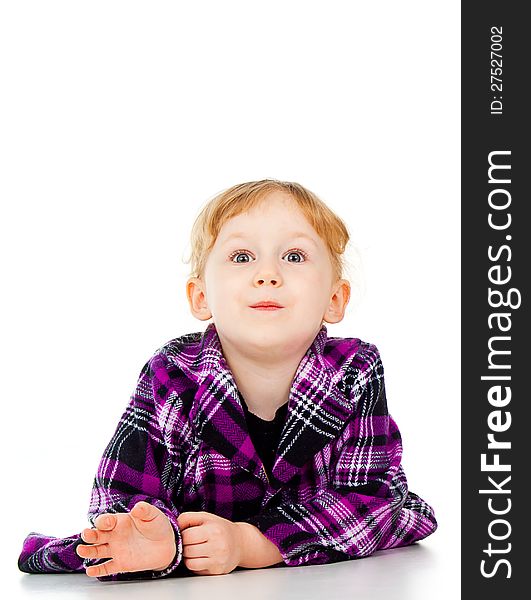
(263, 263)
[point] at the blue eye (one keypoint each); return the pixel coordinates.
(299, 252)
(238, 253)
(295, 251)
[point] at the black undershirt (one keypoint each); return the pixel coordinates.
(265, 435)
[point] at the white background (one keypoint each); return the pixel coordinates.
(119, 120)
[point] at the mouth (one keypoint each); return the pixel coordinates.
(267, 306)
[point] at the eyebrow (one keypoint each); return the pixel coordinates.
(243, 236)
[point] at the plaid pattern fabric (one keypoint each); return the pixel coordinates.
(337, 489)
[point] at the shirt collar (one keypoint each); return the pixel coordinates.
(317, 410)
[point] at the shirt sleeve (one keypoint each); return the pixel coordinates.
(140, 462)
(367, 505)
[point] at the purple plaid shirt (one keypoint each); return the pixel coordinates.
(337, 490)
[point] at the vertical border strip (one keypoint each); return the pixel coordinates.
(495, 292)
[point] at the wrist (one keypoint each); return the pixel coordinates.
(242, 542)
(164, 568)
(256, 551)
(171, 561)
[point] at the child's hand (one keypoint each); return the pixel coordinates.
(142, 539)
(212, 545)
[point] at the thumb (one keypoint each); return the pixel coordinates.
(144, 511)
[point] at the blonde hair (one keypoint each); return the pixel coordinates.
(244, 196)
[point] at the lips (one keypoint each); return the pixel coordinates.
(268, 304)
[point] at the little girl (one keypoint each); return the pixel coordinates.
(262, 440)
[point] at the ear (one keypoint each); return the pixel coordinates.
(196, 294)
(338, 302)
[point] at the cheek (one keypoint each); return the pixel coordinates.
(312, 279)
(225, 286)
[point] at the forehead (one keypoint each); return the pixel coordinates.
(288, 234)
(276, 215)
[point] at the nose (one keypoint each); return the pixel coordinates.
(267, 272)
(261, 279)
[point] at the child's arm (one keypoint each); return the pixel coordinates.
(257, 551)
(367, 506)
(140, 463)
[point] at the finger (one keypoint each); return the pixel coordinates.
(106, 568)
(196, 564)
(95, 536)
(194, 535)
(145, 511)
(101, 551)
(195, 551)
(191, 518)
(105, 522)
